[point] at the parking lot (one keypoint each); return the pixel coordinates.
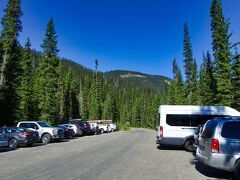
(119, 155)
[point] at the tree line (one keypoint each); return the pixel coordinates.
(218, 79)
(41, 86)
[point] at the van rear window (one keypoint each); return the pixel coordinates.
(231, 130)
(192, 120)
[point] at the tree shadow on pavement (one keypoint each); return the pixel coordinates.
(169, 147)
(211, 172)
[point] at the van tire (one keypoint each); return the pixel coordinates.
(189, 145)
(237, 170)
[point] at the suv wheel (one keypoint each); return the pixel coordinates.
(237, 170)
(189, 145)
(13, 143)
(46, 138)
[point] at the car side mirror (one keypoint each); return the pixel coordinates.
(35, 127)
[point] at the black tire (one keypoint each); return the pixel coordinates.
(101, 131)
(189, 145)
(46, 138)
(13, 143)
(237, 170)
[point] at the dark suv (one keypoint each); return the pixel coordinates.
(84, 126)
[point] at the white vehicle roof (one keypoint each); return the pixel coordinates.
(30, 121)
(189, 109)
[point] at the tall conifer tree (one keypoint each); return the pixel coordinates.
(48, 76)
(10, 62)
(190, 69)
(221, 53)
(26, 92)
(236, 80)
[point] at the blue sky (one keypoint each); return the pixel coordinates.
(139, 35)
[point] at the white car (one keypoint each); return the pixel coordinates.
(46, 132)
(104, 128)
(75, 127)
(113, 127)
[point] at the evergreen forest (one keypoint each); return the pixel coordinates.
(43, 86)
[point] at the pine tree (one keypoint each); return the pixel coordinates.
(107, 108)
(221, 53)
(207, 82)
(74, 103)
(236, 80)
(26, 92)
(10, 62)
(177, 94)
(190, 69)
(48, 76)
(95, 97)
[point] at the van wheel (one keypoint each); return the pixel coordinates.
(189, 145)
(237, 170)
(46, 138)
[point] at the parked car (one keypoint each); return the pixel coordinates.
(46, 132)
(84, 126)
(219, 144)
(113, 127)
(76, 128)
(19, 136)
(104, 128)
(68, 131)
(3, 140)
(197, 135)
(179, 122)
(94, 127)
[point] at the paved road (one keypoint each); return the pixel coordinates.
(121, 156)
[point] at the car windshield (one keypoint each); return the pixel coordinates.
(43, 124)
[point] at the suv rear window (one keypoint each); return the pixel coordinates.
(209, 128)
(231, 130)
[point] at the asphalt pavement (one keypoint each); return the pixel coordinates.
(131, 155)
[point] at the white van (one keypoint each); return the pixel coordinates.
(179, 122)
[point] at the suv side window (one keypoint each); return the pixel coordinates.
(209, 128)
(27, 125)
(231, 130)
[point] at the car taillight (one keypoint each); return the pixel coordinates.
(161, 131)
(85, 127)
(215, 146)
(26, 133)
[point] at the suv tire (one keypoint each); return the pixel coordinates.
(101, 131)
(237, 170)
(46, 138)
(189, 145)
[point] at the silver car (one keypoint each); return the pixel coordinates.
(219, 144)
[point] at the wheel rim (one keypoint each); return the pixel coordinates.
(45, 139)
(13, 143)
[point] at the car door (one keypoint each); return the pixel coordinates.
(3, 139)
